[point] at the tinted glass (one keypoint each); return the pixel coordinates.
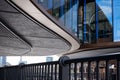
(104, 14)
(116, 8)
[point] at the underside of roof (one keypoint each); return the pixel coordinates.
(21, 35)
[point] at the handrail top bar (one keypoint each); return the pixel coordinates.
(94, 58)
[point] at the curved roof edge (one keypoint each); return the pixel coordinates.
(29, 8)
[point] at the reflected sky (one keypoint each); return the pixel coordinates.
(106, 7)
(14, 60)
(116, 20)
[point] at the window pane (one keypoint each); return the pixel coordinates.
(90, 21)
(116, 8)
(104, 13)
(80, 20)
(75, 15)
(56, 7)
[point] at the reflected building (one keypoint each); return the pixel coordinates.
(92, 21)
(2, 61)
(49, 59)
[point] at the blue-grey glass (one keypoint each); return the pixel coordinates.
(104, 20)
(80, 21)
(68, 13)
(75, 15)
(55, 10)
(62, 11)
(90, 22)
(116, 8)
(65, 11)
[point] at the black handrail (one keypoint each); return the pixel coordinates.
(93, 68)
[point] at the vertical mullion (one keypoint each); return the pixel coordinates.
(113, 21)
(78, 20)
(96, 19)
(84, 29)
(62, 11)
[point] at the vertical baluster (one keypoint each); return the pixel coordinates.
(55, 72)
(81, 70)
(97, 70)
(107, 70)
(52, 72)
(89, 68)
(75, 71)
(118, 68)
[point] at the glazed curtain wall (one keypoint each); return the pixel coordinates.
(99, 21)
(92, 21)
(96, 25)
(65, 11)
(116, 20)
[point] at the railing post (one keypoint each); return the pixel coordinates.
(118, 68)
(63, 68)
(4, 72)
(20, 71)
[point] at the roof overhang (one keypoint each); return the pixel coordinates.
(63, 41)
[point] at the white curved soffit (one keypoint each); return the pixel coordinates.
(30, 9)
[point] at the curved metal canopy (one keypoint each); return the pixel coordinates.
(26, 30)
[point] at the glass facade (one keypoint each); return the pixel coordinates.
(116, 20)
(92, 21)
(65, 11)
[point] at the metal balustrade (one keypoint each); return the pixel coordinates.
(93, 68)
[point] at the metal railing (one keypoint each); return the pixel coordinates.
(93, 68)
(41, 71)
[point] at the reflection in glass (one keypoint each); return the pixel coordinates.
(56, 6)
(112, 70)
(104, 14)
(78, 71)
(90, 21)
(85, 71)
(75, 16)
(80, 20)
(93, 71)
(102, 70)
(116, 8)
(65, 11)
(72, 66)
